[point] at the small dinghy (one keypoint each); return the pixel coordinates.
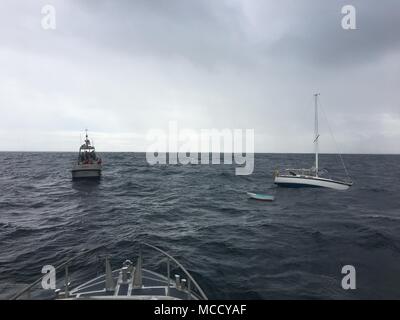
(261, 197)
(89, 164)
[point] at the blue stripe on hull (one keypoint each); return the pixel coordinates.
(296, 185)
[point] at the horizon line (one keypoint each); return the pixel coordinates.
(257, 152)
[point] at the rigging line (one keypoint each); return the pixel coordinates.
(334, 140)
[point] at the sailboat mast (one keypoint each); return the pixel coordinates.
(316, 133)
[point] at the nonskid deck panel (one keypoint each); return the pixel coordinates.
(153, 285)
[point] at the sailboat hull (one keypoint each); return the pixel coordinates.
(309, 181)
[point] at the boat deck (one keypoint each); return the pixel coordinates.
(153, 285)
(132, 281)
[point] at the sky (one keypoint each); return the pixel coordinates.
(122, 68)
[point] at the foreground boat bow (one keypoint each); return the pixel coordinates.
(131, 282)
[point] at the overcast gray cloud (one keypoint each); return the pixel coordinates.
(121, 68)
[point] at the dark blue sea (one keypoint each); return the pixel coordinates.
(236, 248)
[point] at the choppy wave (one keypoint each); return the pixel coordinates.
(294, 247)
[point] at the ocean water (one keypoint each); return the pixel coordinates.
(236, 248)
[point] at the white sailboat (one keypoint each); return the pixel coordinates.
(313, 177)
